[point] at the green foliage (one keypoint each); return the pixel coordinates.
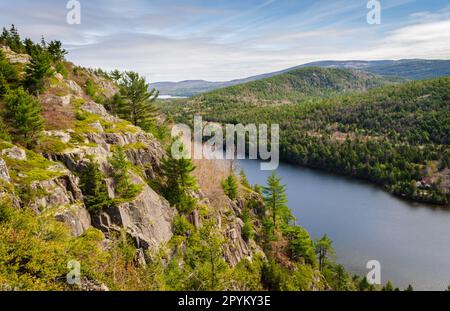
(247, 229)
(35, 250)
(230, 186)
(138, 107)
(275, 277)
(124, 188)
(12, 39)
(323, 250)
(275, 199)
(61, 68)
(4, 134)
(22, 115)
(9, 76)
(300, 244)
(94, 188)
(179, 182)
(4, 86)
(57, 53)
(243, 179)
(182, 226)
(37, 71)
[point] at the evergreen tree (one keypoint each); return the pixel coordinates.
(56, 51)
(37, 71)
(22, 114)
(116, 75)
(139, 107)
(389, 287)
(8, 71)
(323, 250)
(212, 246)
(120, 167)
(275, 198)
(179, 182)
(14, 41)
(94, 188)
(409, 288)
(230, 186)
(244, 180)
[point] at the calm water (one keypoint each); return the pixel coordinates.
(411, 241)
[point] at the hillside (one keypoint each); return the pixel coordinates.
(294, 86)
(395, 135)
(86, 183)
(412, 69)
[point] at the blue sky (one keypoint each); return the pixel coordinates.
(173, 40)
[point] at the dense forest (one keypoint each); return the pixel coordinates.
(393, 135)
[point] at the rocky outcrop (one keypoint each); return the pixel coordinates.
(13, 57)
(76, 217)
(147, 218)
(4, 173)
(100, 110)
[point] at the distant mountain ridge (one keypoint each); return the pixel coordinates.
(413, 69)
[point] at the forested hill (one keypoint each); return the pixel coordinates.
(294, 86)
(411, 69)
(395, 135)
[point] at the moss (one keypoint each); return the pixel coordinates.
(34, 168)
(51, 144)
(138, 145)
(118, 127)
(84, 121)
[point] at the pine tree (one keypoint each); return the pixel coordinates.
(37, 71)
(139, 107)
(94, 188)
(179, 182)
(116, 75)
(212, 246)
(120, 173)
(56, 51)
(244, 180)
(14, 41)
(230, 186)
(22, 114)
(275, 198)
(323, 250)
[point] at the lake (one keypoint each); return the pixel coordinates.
(410, 240)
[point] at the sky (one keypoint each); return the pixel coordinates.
(219, 40)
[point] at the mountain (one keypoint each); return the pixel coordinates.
(414, 69)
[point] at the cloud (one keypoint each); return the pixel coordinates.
(222, 40)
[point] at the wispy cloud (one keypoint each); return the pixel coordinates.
(221, 40)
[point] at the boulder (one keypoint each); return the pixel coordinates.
(61, 135)
(75, 88)
(15, 153)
